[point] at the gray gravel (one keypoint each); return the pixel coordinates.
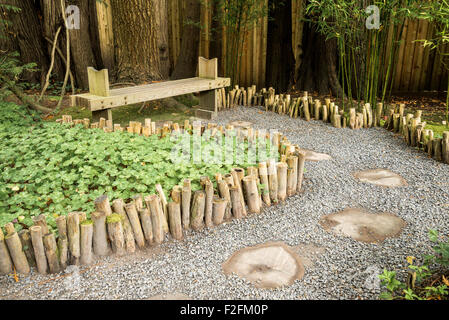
(346, 270)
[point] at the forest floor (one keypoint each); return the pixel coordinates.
(338, 268)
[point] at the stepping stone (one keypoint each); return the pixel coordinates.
(363, 226)
(242, 124)
(380, 177)
(315, 156)
(170, 296)
(268, 265)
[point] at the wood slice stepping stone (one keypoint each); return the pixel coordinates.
(380, 177)
(363, 226)
(316, 156)
(242, 124)
(268, 265)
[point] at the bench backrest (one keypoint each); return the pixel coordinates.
(98, 82)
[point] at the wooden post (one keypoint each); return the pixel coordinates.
(305, 103)
(292, 175)
(133, 217)
(197, 210)
(51, 250)
(63, 251)
(157, 216)
(163, 200)
(73, 232)
(186, 196)
(118, 206)
(209, 191)
(272, 180)
(263, 176)
(252, 193)
(301, 162)
(115, 231)
(223, 190)
(40, 220)
(102, 204)
(5, 259)
(100, 236)
(378, 116)
(27, 246)
(282, 180)
(445, 147)
(237, 175)
(86, 229)
(61, 223)
(237, 207)
(38, 247)
(147, 225)
(16, 252)
(174, 217)
(219, 206)
(436, 146)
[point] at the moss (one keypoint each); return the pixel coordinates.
(112, 218)
(87, 222)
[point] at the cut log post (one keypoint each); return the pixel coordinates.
(436, 146)
(223, 190)
(237, 208)
(317, 109)
(237, 175)
(305, 104)
(147, 225)
(27, 246)
(5, 259)
(133, 216)
(174, 217)
(352, 118)
(115, 231)
(396, 121)
(445, 147)
(157, 216)
(219, 206)
(185, 205)
(251, 193)
(102, 204)
(378, 116)
(83, 216)
(87, 230)
(163, 200)
(100, 235)
(292, 175)
(138, 201)
(369, 113)
(63, 251)
(197, 210)
(118, 206)
(282, 180)
(209, 191)
(40, 220)
(301, 163)
(263, 176)
(324, 112)
(272, 180)
(430, 144)
(61, 223)
(38, 247)
(412, 130)
(51, 252)
(73, 235)
(16, 252)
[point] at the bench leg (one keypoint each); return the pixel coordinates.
(208, 106)
(106, 113)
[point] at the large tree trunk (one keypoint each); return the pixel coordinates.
(26, 30)
(318, 70)
(187, 61)
(216, 38)
(162, 37)
(135, 37)
(81, 44)
(280, 58)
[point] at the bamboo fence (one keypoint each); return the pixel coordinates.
(417, 68)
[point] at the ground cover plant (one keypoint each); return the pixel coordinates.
(54, 169)
(428, 280)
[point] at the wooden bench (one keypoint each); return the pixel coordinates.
(100, 99)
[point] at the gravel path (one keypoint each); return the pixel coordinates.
(345, 270)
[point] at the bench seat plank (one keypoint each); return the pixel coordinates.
(148, 92)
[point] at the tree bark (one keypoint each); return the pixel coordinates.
(187, 61)
(160, 8)
(280, 58)
(135, 37)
